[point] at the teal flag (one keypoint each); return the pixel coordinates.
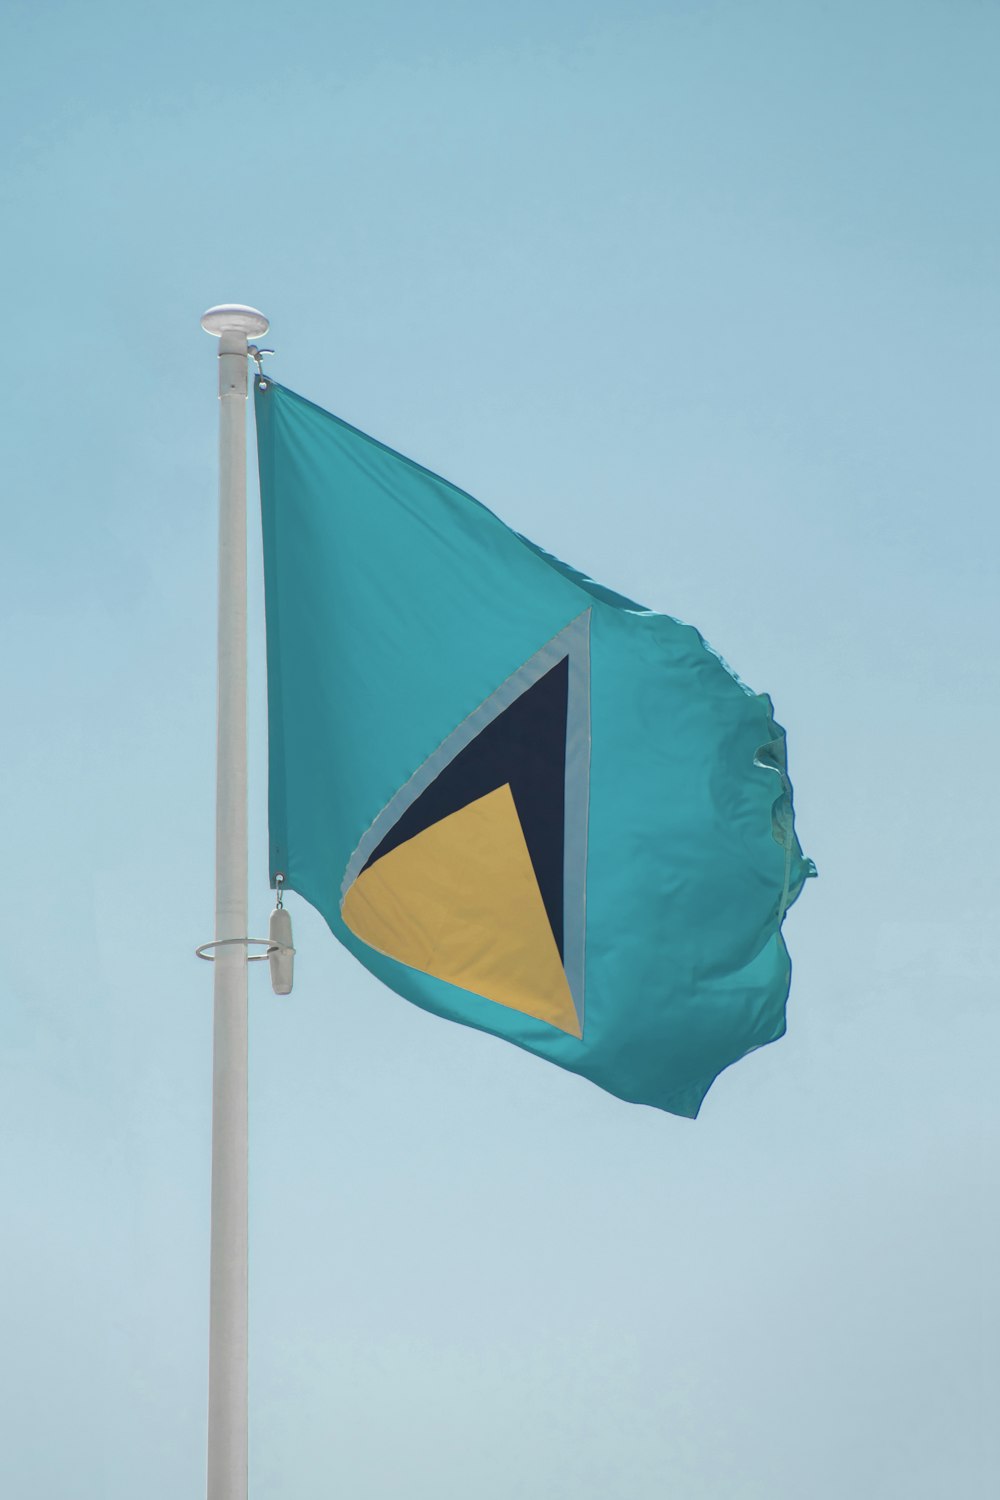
(524, 802)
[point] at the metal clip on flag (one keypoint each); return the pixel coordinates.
(281, 951)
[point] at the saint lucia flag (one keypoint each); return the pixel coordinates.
(524, 802)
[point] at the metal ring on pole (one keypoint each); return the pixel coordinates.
(247, 942)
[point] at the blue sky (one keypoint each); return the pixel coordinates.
(702, 297)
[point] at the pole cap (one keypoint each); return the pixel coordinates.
(233, 317)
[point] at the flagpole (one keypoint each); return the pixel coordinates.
(227, 1341)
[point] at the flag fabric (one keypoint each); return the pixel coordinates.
(523, 801)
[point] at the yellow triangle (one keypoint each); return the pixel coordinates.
(460, 901)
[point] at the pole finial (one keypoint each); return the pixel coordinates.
(233, 317)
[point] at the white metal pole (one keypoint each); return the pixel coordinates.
(227, 1342)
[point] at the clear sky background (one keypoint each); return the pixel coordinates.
(703, 297)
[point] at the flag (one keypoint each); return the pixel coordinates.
(523, 801)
